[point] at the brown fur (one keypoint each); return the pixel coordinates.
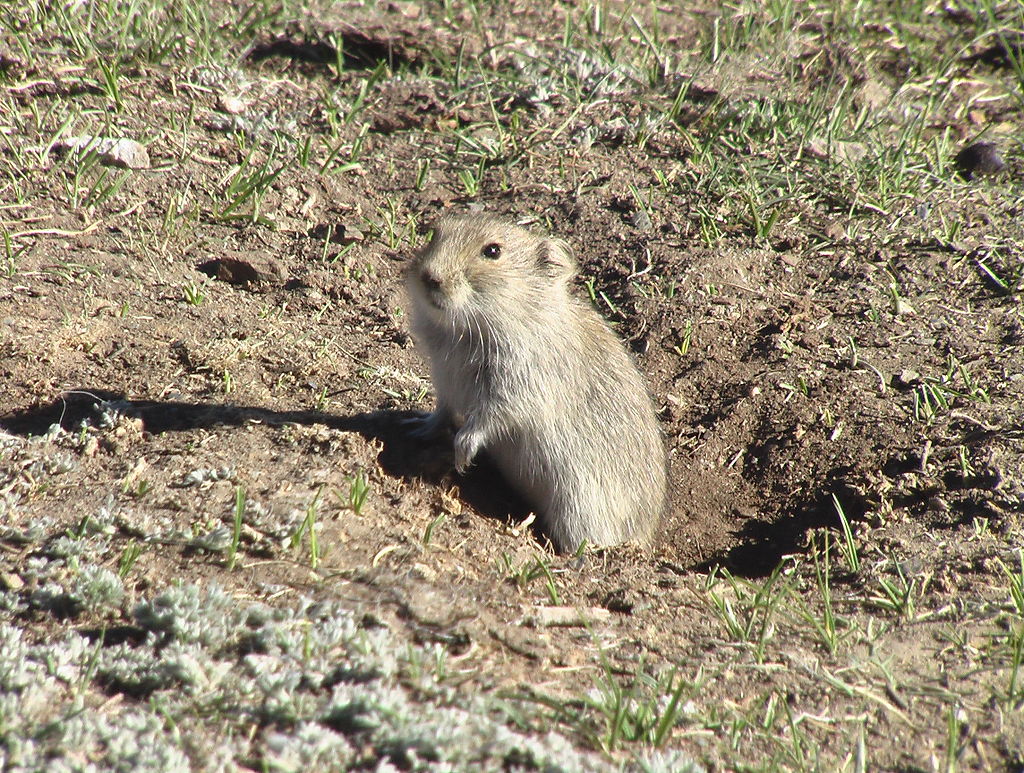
(534, 376)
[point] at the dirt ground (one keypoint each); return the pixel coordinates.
(192, 349)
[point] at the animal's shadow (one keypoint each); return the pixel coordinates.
(402, 455)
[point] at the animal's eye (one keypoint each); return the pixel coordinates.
(492, 251)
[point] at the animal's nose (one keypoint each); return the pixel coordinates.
(430, 281)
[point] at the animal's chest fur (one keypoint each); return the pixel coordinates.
(463, 372)
(471, 373)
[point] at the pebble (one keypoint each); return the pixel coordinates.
(11, 581)
(231, 105)
(545, 617)
(124, 153)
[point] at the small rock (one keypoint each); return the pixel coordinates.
(640, 220)
(848, 153)
(834, 230)
(873, 94)
(909, 377)
(232, 105)
(350, 234)
(981, 158)
(11, 581)
(215, 541)
(129, 426)
(625, 601)
(902, 308)
(544, 617)
(423, 572)
(124, 153)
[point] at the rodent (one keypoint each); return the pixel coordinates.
(534, 376)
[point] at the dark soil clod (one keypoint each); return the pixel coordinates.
(981, 158)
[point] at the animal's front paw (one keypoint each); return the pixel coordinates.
(467, 445)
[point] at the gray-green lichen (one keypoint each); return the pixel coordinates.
(206, 682)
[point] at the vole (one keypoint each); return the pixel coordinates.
(534, 376)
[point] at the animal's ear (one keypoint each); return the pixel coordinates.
(554, 259)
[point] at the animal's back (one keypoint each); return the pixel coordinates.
(591, 459)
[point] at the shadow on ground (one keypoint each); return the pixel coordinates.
(759, 544)
(762, 544)
(401, 456)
